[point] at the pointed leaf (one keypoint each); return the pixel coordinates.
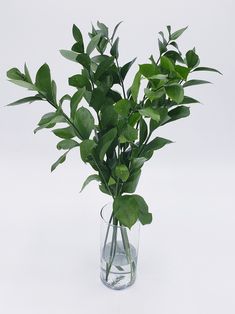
(195, 82)
(67, 144)
(86, 149)
(136, 86)
(92, 177)
(64, 132)
(175, 92)
(84, 122)
(206, 69)
(105, 141)
(114, 49)
(43, 81)
(93, 44)
(124, 70)
(122, 172)
(70, 55)
(178, 33)
(75, 100)
(59, 161)
(25, 100)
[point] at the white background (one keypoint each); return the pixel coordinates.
(49, 233)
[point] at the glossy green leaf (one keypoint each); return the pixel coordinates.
(114, 49)
(92, 177)
(143, 131)
(115, 30)
(154, 94)
(93, 44)
(122, 172)
(24, 84)
(79, 81)
(64, 132)
(27, 75)
(189, 100)
(124, 70)
(178, 33)
(150, 112)
(206, 69)
(59, 161)
(175, 92)
(105, 141)
(135, 87)
(25, 100)
(195, 82)
(192, 59)
(178, 113)
(86, 149)
(127, 208)
(182, 71)
(123, 107)
(147, 70)
(131, 184)
(167, 64)
(67, 144)
(128, 134)
(103, 67)
(103, 28)
(75, 100)
(43, 81)
(15, 74)
(156, 144)
(97, 99)
(77, 35)
(84, 122)
(109, 117)
(84, 60)
(69, 55)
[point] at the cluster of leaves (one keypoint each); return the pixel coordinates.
(115, 130)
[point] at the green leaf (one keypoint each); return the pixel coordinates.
(75, 100)
(43, 81)
(122, 172)
(67, 144)
(178, 113)
(167, 64)
(84, 60)
(195, 82)
(192, 59)
(109, 117)
(128, 134)
(105, 141)
(154, 94)
(59, 161)
(69, 55)
(103, 67)
(64, 132)
(137, 163)
(79, 81)
(84, 122)
(159, 77)
(145, 218)
(46, 118)
(97, 99)
(156, 144)
(143, 130)
(182, 71)
(150, 112)
(93, 44)
(206, 69)
(147, 70)
(115, 30)
(92, 177)
(104, 29)
(111, 181)
(162, 47)
(64, 98)
(178, 33)
(124, 70)
(25, 100)
(189, 100)
(78, 37)
(24, 84)
(122, 107)
(175, 92)
(86, 149)
(132, 182)
(114, 49)
(49, 120)
(136, 86)
(15, 74)
(128, 207)
(27, 75)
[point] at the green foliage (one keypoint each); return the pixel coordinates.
(115, 131)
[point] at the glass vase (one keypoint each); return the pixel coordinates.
(119, 251)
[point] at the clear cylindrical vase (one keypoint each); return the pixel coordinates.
(119, 251)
